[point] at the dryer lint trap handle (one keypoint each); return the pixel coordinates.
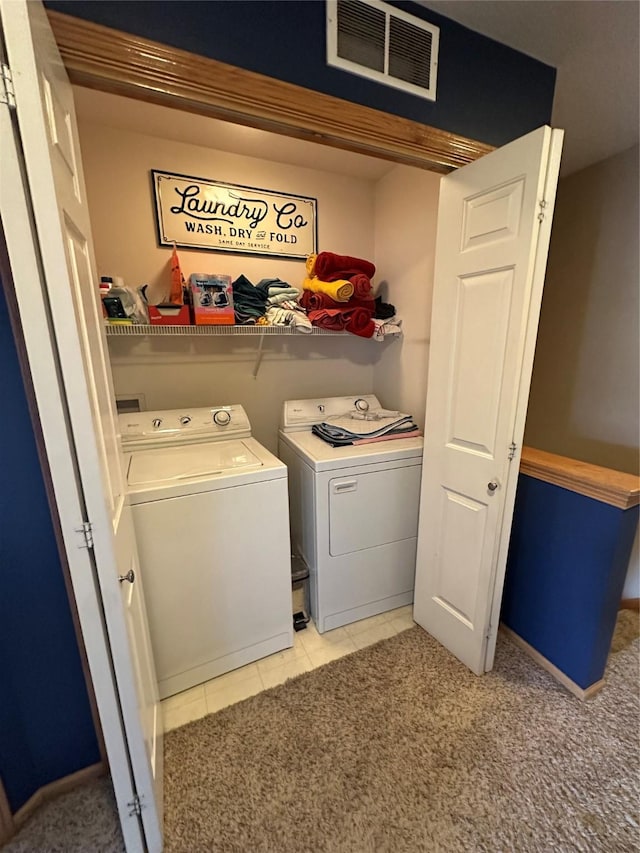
(345, 486)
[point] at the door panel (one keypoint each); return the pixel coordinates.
(134, 604)
(482, 303)
(462, 530)
(64, 152)
(494, 222)
(61, 237)
(492, 215)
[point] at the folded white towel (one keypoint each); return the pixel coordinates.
(286, 317)
(384, 328)
(288, 295)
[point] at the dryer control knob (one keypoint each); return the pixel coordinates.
(157, 422)
(221, 418)
(361, 405)
(185, 419)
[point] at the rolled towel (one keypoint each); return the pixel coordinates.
(339, 290)
(360, 323)
(316, 301)
(361, 285)
(329, 265)
(311, 264)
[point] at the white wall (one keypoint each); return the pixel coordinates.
(190, 371)
(117, 167)
(406, 207)
(585, 392)
(203, 371)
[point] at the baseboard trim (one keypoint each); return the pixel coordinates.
(6, 819)
(581, 693)
(53, 789)
(630, 604)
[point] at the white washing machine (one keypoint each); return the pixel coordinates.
(354, 513)
(211, 515)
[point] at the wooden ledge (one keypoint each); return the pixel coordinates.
(582, 693)
(103, 58)
(611, 487)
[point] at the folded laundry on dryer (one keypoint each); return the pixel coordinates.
(351, 429)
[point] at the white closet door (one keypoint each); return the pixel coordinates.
(64, 296)
(494, 224)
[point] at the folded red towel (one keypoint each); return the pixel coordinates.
(317, 301)
(332, 319)
(330, 266)
(358, 321)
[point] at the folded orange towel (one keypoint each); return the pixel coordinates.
(340, 290)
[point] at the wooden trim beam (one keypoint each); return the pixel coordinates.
(54, 789)
(10, 824)
(581, 693)
(103, 58)
(604, 484)
(630, 604)
(6, 820)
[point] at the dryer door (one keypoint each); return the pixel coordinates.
(375, 508)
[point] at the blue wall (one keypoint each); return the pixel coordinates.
(568, 558)
(46, 728)
(485, 91)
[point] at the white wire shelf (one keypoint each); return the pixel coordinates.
(139, 329)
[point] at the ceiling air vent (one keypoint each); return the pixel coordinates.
(378, 41)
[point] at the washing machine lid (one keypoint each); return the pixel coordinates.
(192, 468)
(195, 460)
(321, 456)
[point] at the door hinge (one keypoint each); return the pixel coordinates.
(512, 450)
(541, 204)
(7, 93)
(135, 806)
(86, 532)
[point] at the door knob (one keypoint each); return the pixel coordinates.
(493, 485)
(130, 576)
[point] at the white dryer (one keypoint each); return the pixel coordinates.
(211, 516)
(354, 513)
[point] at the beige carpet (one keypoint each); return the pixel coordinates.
(396, 748)
(399, 748)
(84, 820)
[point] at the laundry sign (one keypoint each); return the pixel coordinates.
(201, 214)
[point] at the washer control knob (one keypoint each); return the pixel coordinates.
(185, 419)
(222, 417)
(361, 405)
(157, 422)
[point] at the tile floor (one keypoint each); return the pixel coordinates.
(310, 649)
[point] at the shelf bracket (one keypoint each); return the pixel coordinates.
(256, 366)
